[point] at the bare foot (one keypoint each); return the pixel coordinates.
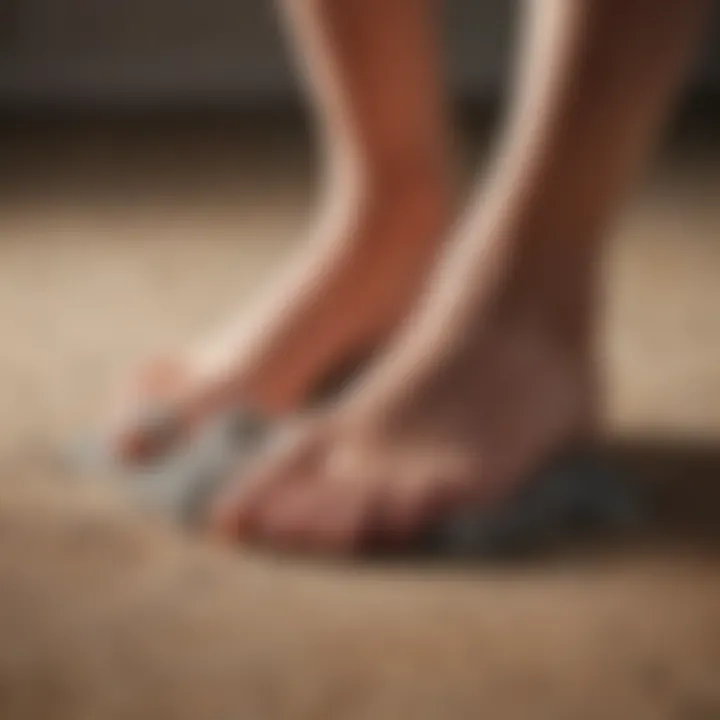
(460, 411)
(339, 300)
(494, 371)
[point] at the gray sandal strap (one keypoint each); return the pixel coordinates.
(180, 482)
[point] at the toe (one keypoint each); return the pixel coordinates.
(342, 518)
(236, 512)
(403, 508)
(282, 518)
(415, 497)
(317, 515)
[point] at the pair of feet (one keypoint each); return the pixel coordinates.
(479, 372)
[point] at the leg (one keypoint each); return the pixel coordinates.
(495, 370)
(384, 202)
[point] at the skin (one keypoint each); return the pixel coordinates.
(495, 367)
(372, 72)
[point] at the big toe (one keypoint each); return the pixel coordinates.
(237, 511)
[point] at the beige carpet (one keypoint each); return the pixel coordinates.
(114, 242)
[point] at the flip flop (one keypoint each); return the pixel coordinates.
(179, 483)
(577, 494)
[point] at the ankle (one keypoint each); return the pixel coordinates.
(409, 177)
(386, 184)
(563, 311)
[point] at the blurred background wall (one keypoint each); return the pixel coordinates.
(227, 50)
